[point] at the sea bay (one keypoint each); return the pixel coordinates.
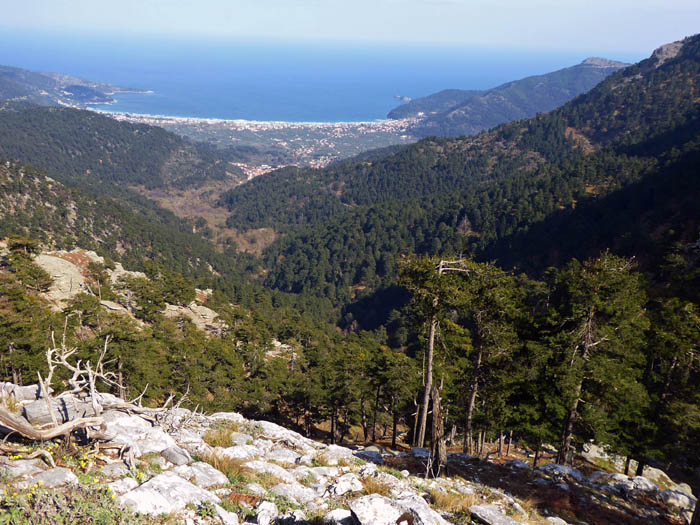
(279, 81)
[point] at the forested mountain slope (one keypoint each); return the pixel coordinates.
(347, 223)
(51, 89)
(37, 206)
(452, 113)
(85, 145)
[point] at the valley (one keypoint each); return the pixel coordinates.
(345, 295)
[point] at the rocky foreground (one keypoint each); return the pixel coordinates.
(176, 466)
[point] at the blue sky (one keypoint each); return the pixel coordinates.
(614, 25)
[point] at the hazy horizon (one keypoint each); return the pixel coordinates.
(620, 27)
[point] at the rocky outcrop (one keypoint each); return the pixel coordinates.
(153, 464)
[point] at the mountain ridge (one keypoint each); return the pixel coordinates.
(451, 113)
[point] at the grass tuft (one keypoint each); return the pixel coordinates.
(374, 486)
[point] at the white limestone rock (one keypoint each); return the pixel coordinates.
(677, 499)
(375, 510)
(554, 469)
(226, 517)
(137, 432)
(270, 468)
(491, 515)
(378, 510)
(20, 467)
(201, 474)
(338, 517)
(282, 454)
(346, 483)
(114, 470)
(295, 492)
(165, 493)
(122, 486)
(176, 455)
(266, 513)
(335, 453)
(55, 477)
(238, 452)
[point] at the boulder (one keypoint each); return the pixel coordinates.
(176, 455)
(295, 492)
(677, 499)
(517, 464)
(658, 476)
(55, 477)
(226, 517)
(375, 510)
(238, 438)
(266, 513)
(165, 493)
(20, 393)
(122, 486)
(20, 467)
(114, 470)
(421, 453)
(192, 442)
(238, 452)
(201, 474)
(338, 517)
(282, 454)
(556, 520)
(336, 453)
(228, 416)
(378, 510)
(562, 471)
(491, 515)
(642, 483)
(346, 483)
(137, 432)
(420, 510)
(371, 456)
(270, 468)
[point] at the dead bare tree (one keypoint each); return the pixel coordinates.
(83, 385)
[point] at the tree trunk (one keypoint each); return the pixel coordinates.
(428, 385)
(363, 413)
(374, 416)
(510, 442)
(640, 468)
(415, 422)
(500, 443)
(470, 406)
(568, 431)
(333, 426)
(439, 449)
(394, 423)
(628, 461)
(537, 457)
(122, 390)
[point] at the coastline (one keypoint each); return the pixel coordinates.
(123, 115)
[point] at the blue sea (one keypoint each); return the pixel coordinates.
(279, 81)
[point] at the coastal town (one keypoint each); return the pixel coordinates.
(264, 146)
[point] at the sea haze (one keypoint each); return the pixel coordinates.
(270, 81)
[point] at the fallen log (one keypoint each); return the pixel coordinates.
(22, 426)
